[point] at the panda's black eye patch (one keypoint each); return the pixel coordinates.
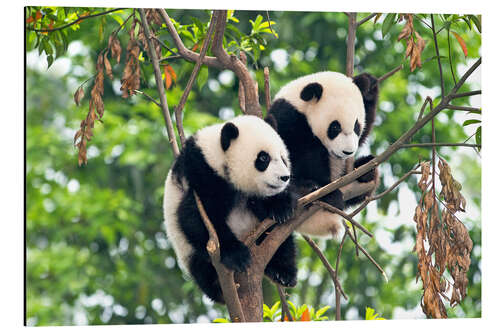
(334, 129)
(357, 128)
(262, 161)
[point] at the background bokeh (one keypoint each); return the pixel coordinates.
(97, 252)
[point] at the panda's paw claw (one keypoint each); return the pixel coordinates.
(236, 257)
(284, 209)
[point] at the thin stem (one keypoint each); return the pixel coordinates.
(389, 74)
(466, 94)
(78, 20)
(422, 109)
(366, 19)
(284, 305)
(462, 108)
(159, 84)
(149, 97)
(449, 59)
(335, 210)
(440, 144)
(324, 261)
(337, 291)
(434, 35)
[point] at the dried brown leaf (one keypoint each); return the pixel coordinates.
(79, 94)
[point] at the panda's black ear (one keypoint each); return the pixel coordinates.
(271, 121)
(312, 90)
(368, 85)
(229, 132)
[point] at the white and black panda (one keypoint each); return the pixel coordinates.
(241, 172)
(323, 118)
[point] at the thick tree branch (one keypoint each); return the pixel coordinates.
(252, 105)
(351, 39)
(159, 84)
(466, 94)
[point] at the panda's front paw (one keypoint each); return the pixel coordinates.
(370, 175)
(284, 275)
(235, 257)
(282, 207)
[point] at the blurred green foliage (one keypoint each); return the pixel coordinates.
(97, 252)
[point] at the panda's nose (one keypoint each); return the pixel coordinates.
(347, 152)
(284, 178)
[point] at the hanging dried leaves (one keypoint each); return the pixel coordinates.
(447, 241)
(115, 47)
(96, 111)
(131, 76)
(415, 44)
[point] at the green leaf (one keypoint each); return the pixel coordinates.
(471, 121)
(477, 21)
(275, 307)
(202, 77)
(478, 136)
(220, 320)
(389, 21)
(322, 311)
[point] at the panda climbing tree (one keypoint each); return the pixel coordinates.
(322, 118)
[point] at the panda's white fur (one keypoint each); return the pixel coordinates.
(237, 166)
(341, 100)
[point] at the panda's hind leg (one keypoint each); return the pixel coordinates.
(282, 268)
(204, 274)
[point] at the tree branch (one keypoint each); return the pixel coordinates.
(466, 94)
(159, 84)
(284, 305)
(440, 144)
(369, 17)
(351, 39)
(252, 105)
(324, 261)
(189, 86)
(434, 35)
(77, 21)
(226, 276)
(182, 50)
(462, 108)
(389, 74)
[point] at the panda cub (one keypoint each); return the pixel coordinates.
(323, 118)
(241, 172)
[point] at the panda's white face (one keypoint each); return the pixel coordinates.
(250, 155)
(333, 106)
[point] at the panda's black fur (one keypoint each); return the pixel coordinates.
(310, 159)
(219, 198)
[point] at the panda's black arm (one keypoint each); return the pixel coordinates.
(279, 207)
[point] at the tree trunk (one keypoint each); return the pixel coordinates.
(250, 294)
